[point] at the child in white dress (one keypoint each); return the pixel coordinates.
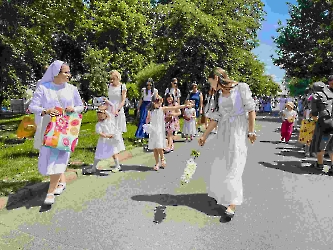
(110, 142)
(156, 128)
(189, 128)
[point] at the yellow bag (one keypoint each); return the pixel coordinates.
(27, 128)
(306, 131)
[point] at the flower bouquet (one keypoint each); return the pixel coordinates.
(190, 168)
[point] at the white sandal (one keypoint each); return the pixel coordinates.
(49, 201)
(60, 189)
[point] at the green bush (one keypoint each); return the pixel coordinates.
(153, 70)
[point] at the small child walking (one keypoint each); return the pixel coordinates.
(189, 128)
(171, 122)
(288, 116)
(110, 142)
(156, 128)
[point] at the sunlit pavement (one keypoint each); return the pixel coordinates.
(287, 206)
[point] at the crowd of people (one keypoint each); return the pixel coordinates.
(229, 106)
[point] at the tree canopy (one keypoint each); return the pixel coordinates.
(305, 45)
(140, 38)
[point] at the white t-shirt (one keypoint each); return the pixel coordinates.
(147, 97)
(289, 114)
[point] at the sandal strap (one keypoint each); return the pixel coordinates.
(50, 194)
(62, 184)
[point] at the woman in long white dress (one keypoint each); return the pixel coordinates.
(117, 96)
(226, 153)
(54, 91)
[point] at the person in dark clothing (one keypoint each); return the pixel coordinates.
(321, 109)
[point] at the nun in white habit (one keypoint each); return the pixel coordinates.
(53, 91)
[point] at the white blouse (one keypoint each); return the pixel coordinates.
(147, 97)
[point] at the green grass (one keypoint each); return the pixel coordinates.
(18, 166)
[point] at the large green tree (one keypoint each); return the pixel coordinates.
(305, 45)
(195, 36)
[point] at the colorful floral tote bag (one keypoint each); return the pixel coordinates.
(62, 131)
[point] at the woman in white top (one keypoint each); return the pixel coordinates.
(117, 96)
(147, 93)
(174, 90)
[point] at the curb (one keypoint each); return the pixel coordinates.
(71, 174)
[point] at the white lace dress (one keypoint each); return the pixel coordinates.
(107, 147)
(114, 95)
(226, 152)
(157, 130)
(189, 126)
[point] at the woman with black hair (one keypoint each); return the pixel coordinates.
(226, 153)
(146, 96)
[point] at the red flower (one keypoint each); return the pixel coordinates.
(65, 141)
(74, 144)
(75, 122)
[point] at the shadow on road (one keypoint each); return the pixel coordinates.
(273, 142)
(292, 153)
(292, 167)
(200, 202)
(28, 197)
(268, 118)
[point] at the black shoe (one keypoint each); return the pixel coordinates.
(317, 166)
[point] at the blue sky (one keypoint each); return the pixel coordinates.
(276, 10)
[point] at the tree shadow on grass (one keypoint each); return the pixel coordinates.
(201, 202)
(12, 141)
(295, 167)
(31, 195)
(18, 154)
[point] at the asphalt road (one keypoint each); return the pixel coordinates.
(287, 206)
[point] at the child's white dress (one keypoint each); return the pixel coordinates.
(107, 147)
(189, 126)
(157, 131)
